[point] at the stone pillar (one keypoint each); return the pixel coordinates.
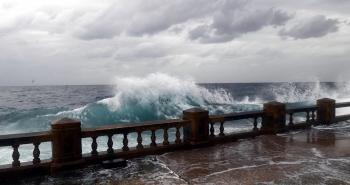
(325, 111)
(197, 132)
(66, 144)
(274, 118)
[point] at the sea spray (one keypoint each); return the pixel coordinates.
(309, 92)
(299, 94)
(157, 96)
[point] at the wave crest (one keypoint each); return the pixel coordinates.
(157, 96)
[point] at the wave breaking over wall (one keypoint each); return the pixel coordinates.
(157, 96)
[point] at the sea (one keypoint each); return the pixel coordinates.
(134, 99)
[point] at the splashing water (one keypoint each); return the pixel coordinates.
(155, 97)
(310, 92)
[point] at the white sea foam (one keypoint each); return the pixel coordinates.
(317, 152)
(290, 92)
(161, 96)
(164, 90)
(157, 96)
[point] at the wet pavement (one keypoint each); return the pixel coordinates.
(317, 156)
(297, 158)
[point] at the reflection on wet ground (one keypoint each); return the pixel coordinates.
(317, 156)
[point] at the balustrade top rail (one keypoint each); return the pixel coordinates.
(198, 129)
(236, 116)
(131, 127)
(25, 138)
(302, 109)
(342, 105)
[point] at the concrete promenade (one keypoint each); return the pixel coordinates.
(320, 155)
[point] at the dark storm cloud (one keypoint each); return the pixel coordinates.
(138, 18)
(317, 26)
(229, 19)
(229, 24)
(162, 16)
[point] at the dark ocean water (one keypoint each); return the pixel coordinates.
(156, 97)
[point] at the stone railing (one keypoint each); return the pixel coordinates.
(196, 129)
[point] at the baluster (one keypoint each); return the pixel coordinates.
(94, 146)
(308, 117)
(153, 138)
(125, 142)
(313, 116)
(36, 153)
(110, 144)
(291, 120)
(139, 140)
(166, 137)
(15, 156)
(255, 129)
(212, 129)
(178, 135)
(222, 129)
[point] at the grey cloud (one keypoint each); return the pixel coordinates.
(162, 17)
(142, 52)
(139, 18)
(317, 26)
(19, 23)
(95, 31)
(103, 26)
(51, 20)
(100, 52)
(227, 25)
(230, 19)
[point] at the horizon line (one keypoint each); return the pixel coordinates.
(199, 83)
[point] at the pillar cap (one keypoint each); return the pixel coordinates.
(65, 122)
(274, 103)
(195, 110)
(326, 100)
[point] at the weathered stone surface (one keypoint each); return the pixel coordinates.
(325, 111)
(197, 132)
(66, 144)
(274, 119)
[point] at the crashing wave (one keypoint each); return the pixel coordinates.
(157, 96)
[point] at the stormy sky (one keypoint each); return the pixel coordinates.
(91, 42)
